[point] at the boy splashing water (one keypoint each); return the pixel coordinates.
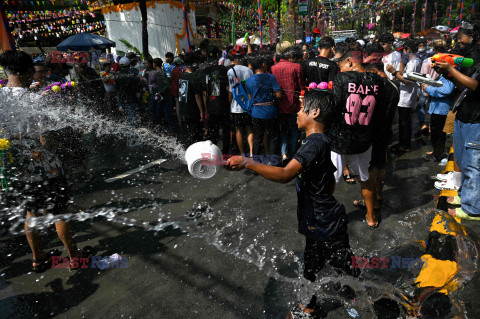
(321, 218)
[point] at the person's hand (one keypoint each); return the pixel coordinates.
(202, 117)
(443, 67)
(236, 163)
(424, 86)
(390, 68)
(248, 39)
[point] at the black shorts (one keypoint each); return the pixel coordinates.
(48, 197)
(337, 253)
(379, 157)
(241, 120)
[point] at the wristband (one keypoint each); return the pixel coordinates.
(395, 74)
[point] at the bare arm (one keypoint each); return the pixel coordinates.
(205, 100)
(459, 78)
(276, 174)
(230, 97)
(199, 104)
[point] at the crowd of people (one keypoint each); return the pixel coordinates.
(342, 96)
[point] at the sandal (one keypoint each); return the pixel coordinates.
(359, 203)
(459, 213)
(86, 252)
(377, 223)
(349, 179)
(455, 200)
(42, 265)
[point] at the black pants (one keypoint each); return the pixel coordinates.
(337, 253)
(273, 129)
(437, 135)
(214, 123)
(405, 127)
(193, 130)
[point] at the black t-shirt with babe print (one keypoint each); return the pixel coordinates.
(359, 112)
(188, 86)
(319, 214)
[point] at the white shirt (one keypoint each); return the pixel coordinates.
(243, 73)
(409, 92)
(394, 59)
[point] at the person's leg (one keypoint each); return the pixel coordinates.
(239, 138)
(250, 138)
(258, 132)
(368, 197)
(226, 133)
(33, 239)
(438, 136)
(169, 115)
(313, 258)
(284, 134)
(65, 233)
(213, 127)
(405, 128)
(273, 128)
(470, 166)
(131, 110)
(293, 135)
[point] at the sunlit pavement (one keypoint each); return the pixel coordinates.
(219, 265)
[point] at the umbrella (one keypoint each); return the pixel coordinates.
(455, 30)
(441, 28)
(85, 42)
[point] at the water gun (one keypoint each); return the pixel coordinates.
(2, 83)
(58, 87)
(107, 76)
(5, 156)
(245, 38)
(453, 59)
(423, 78)
(321, 85)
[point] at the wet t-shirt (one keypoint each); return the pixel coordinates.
(319, 214)
(216, 84)
(359, 111)
(188, 86)
(469, 110)
(319, 70)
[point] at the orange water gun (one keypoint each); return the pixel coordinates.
(453, 59)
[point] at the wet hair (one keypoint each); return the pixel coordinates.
(373, 48)
(326, 43)
(340, 46)
(411, 44)
(437, 306)
(169, 55)
(374, 53)
(294, 52)
(150, 61)
(16, 62)
(157, 62)
(324, 100)
(257, 62)
(352, 50)
(191, 59)
(386, 38)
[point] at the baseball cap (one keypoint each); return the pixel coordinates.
(316, 31)
(238, 50)
(124, 61)
(178, 61)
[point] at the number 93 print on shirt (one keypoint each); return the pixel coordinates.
(358, 113)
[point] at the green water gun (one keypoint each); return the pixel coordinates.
(4, 146)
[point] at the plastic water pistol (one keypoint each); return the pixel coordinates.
(2, 83)
(59, 87)
(453, 59)
(107, 76)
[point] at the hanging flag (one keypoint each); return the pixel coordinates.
(233, 27)
(436, 13)
(450, 14)
(461, 14)
(272, 25)
(260, 23)
(414, 13)
(424, 15)
(393, 20)
(6, 38)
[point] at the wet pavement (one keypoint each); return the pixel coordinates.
(238, 258)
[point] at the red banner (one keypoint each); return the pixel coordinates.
(272, 25)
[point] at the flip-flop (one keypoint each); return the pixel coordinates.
(455, 200)
(377, 223)
(359, 203)
(459, 213)
(44, 264)
(347, 177)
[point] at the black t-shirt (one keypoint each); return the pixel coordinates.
(127, 85)
(469, 110)
(319, 69)
(188, 85)
(215, 84)
(392, 96)
(359, 111)
(319, 214)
